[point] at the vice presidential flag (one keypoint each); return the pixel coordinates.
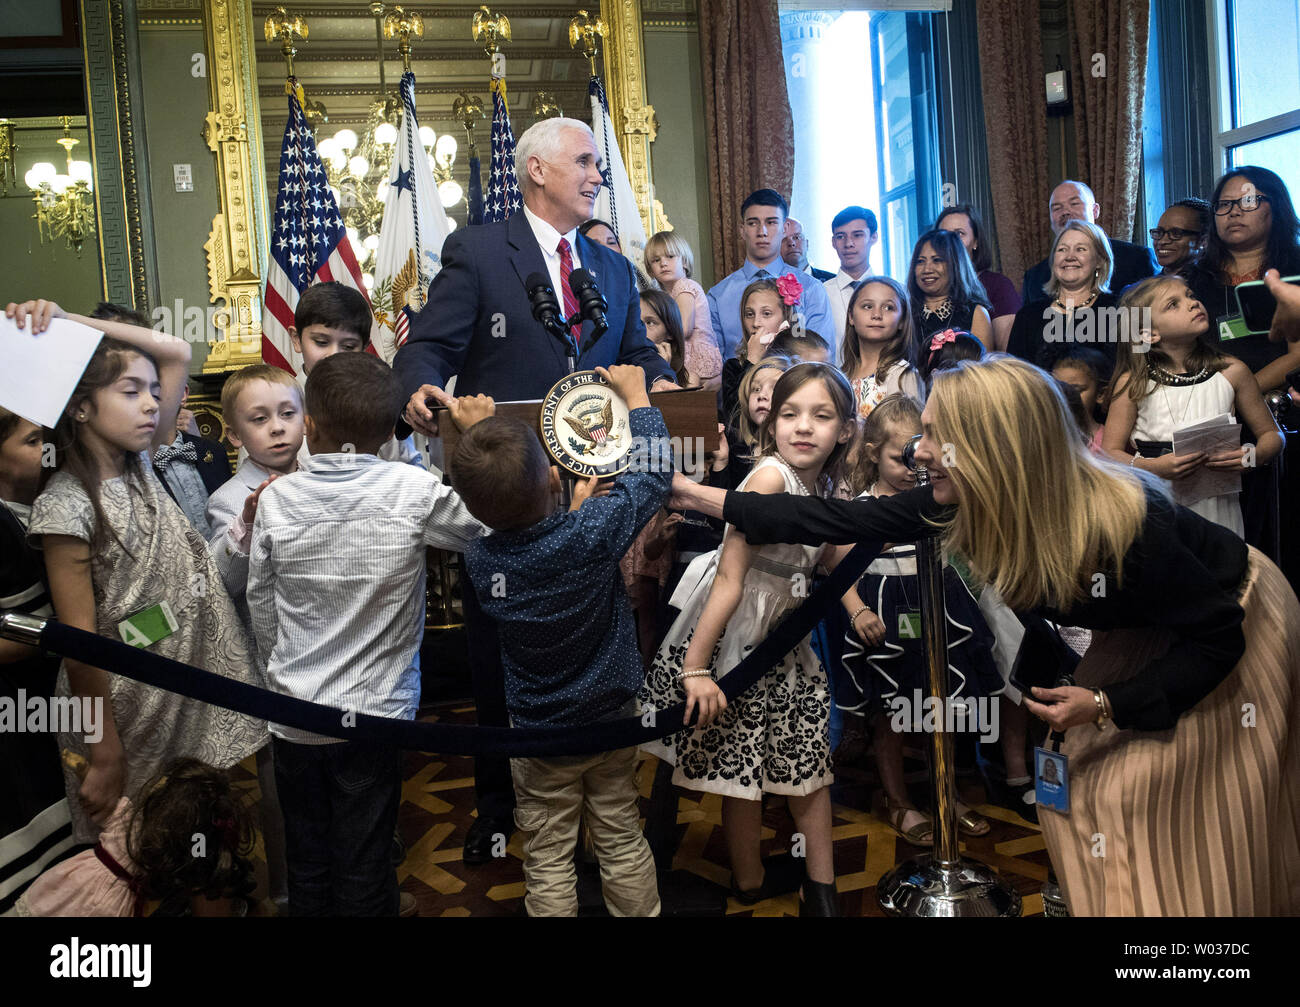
(308, 240)
(411, 237)
(615, 202)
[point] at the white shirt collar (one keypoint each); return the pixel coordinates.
(547, 236)
(844, 280)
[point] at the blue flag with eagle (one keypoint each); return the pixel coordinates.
(411, 236)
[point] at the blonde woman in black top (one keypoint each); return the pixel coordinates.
(1183, 728)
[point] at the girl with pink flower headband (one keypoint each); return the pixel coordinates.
(766, 308)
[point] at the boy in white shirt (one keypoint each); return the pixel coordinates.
(263, 409)
(335, 582)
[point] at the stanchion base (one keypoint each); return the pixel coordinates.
(921, 887)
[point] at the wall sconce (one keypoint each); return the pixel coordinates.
(64, 208)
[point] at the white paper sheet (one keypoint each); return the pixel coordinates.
(1213, 436)
(39, 373)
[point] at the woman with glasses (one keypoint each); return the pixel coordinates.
(1255, 229)
(1180, 235)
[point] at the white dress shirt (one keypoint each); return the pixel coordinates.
(549, 238)
(336, 581)
(226, 517)
(839, 288)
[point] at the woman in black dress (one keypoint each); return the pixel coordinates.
(944, 291)
(1004, 300)
(1182, 732)
(1075, 306)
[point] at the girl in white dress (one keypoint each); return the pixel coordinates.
(1171, 376)
(774, 738)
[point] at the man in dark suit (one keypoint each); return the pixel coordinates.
(1075, 201)
(478, 326)
(794, 250)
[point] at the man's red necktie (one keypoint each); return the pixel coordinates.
(570, 299)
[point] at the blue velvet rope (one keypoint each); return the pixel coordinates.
(448, 739)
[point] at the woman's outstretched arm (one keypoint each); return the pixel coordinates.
(767, 518)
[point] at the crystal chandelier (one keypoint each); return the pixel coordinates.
(64, 208)
(359, 165)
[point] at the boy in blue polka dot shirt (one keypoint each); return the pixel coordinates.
(550, 580)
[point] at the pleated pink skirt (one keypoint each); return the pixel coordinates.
(1202, 819)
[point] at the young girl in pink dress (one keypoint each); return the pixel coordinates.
(669, 260)
(188, 833)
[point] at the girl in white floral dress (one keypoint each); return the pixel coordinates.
(774, 738)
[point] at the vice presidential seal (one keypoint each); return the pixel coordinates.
(585, 426)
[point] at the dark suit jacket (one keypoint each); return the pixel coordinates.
(820, 274)
(478, 324)
(1132, 263)
(213, 464)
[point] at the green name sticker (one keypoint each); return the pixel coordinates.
(147, 627)
(909, 625)
(1232, 327)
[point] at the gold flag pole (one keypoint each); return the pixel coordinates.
(402, 26)
(584, 30)
(941, 882)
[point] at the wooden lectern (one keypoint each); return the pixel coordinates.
(688, 414)
(691, 416)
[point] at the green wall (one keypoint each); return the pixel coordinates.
(678, 158)
(175, 104)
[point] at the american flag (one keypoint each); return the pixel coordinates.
(503, 196)
(308, 242)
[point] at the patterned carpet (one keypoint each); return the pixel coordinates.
(438, 808)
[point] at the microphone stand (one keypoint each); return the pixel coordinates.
(941, 882)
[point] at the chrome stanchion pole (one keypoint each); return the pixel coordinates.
(941, 882)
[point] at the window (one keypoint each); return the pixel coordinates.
(861, 86)
(1257, 115)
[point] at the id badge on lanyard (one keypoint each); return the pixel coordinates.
(1052, 777)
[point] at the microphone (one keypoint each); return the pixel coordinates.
(591, 302)
(546, 309)
(909, 459)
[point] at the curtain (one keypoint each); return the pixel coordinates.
(1109, 59)
(747, 113)
(1015, 120)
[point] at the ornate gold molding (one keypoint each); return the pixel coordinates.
(111, 126)
(234, 255)
(634, 118)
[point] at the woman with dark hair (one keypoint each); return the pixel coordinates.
(663, 327)
(944, 290)
(601, 233)
(1180, 235)
(1004, 299)
(1255, 229)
